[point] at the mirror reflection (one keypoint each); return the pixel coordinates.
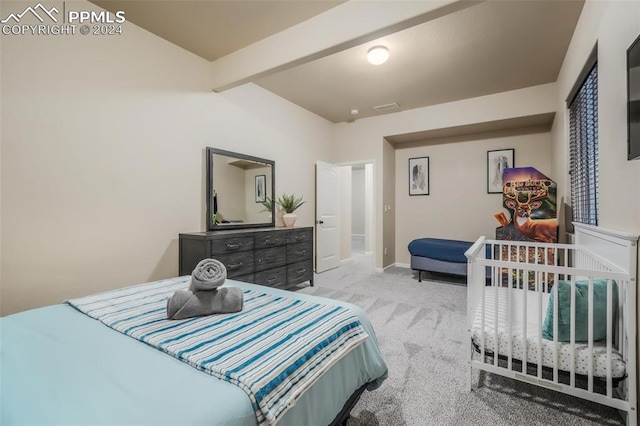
(237, 186)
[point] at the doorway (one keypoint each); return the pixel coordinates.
(356, 212)
(335, 239)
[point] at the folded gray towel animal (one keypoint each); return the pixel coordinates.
(209, 274)
(186, 304)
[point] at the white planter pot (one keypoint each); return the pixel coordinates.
(289, 219)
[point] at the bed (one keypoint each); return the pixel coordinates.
(560, 316)
(64, 367)
(438, 255)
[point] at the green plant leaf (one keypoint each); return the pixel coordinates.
(289, 203)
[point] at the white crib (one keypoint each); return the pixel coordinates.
(507, 314)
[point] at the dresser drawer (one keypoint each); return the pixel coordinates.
(237, 263)
(299, 272)
(300, 235)
(249, 278)
(299, 251)
(270, 239)
(275, 257)
(276, 277)
(231, 244)
(270, 258)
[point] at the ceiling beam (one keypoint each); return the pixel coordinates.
(347, 25)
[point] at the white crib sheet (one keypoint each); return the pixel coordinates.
(534, 301)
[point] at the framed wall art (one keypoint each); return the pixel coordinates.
(419, 176)
(261, 188)
(497, 161)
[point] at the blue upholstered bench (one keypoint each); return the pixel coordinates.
(439, 255)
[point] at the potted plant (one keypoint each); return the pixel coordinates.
(289, 204)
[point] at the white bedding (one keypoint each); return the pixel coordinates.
(534, 321)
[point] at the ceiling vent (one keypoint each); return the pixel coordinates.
(386, 107)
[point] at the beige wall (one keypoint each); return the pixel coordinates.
(613, 25)
(255, 211)
(103, 158)
(357, 202)
(345, 211)
(369, 237)
(389, 207)
(363, 139)
(235, 187)
(458, 206)
(229, 184)
(102, 154)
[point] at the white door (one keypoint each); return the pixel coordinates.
(327, 216)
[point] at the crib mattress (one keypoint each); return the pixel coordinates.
(501, 330)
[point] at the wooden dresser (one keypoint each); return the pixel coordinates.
(275, 257)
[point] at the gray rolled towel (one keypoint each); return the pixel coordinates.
(186, 304)
(208, 275)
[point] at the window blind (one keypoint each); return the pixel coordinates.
(583, 150)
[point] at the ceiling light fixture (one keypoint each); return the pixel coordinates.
(378, 55)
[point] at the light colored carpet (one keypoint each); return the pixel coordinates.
(422, 334)
(357, 245)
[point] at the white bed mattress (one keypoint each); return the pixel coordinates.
(503, 330)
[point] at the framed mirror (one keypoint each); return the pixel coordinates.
(237, 186)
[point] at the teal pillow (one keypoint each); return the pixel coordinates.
(582, 309)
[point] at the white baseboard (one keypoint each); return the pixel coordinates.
(398, 265)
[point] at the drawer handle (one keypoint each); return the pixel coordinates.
(268, 242)
(234, 246)
(299, 252)
(235, 265)
(301, 271)
(269, 259)
(272, 280)
(299, 238)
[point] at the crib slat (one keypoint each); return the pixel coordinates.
(622, 295)
(590, 334)
(496, 344)
(555, 332)
(630, 311)
(572, 380)
(482, 330)
(509, 315)
(539, 286)
(525, 347)
(609, 335)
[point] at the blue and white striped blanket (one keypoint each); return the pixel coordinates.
(274, 349)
